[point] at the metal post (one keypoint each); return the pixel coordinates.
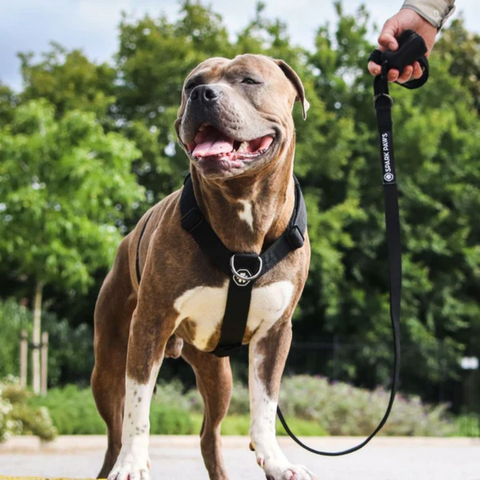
(44, 363)
(23, 358)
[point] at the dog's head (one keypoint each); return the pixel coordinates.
(236, 115)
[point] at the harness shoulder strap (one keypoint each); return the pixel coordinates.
(137, 258)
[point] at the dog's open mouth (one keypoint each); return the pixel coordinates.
(211, 143)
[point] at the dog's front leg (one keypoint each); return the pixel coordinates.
(149, 335)
(268, 353)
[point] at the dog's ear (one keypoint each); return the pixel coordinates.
(292, 75)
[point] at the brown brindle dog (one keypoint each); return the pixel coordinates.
(235, 124)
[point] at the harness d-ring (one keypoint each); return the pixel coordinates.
(242, 275)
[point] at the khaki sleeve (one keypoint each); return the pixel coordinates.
(434, 11)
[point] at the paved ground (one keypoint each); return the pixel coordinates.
(178, 458)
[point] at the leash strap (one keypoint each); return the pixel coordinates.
(410, 50)
(243, 269)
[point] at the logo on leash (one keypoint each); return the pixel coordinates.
(240, 281)
(388, 175)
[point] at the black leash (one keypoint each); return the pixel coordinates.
(412, 48)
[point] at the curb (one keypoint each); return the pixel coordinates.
(82, 443)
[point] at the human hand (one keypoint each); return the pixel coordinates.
(405, 19)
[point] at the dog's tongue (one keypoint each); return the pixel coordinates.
(211, 142)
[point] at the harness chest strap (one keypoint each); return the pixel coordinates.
(242, 268)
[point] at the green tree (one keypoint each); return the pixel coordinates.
(64, 184)
(69, 81)
(8, 101)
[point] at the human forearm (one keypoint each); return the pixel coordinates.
(435, 12)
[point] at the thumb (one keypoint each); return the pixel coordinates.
(387, 36)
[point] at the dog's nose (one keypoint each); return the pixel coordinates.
(205, 93)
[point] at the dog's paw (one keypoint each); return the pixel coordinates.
(281, 471)
(276, 465)
(131, 466)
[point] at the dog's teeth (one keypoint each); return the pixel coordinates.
(243, 146)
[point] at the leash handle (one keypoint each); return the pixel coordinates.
(411, 46)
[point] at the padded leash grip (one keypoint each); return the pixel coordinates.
(411, 48)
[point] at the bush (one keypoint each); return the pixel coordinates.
(18, 416)
(70, 352)
(168, 419)
(468, 425)
(313, 405)
(13, 319)
(342, 409)
(73, 411)
(170, 412)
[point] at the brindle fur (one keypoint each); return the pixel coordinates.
(135, 325)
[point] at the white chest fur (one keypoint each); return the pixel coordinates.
(205, 307)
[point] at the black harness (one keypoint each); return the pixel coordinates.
(244, 268)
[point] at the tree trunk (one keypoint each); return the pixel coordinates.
(37, 318)
(23, 358)
(44, 382)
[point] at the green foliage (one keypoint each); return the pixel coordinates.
(313, 406)
(18, 416)
(317, 406)
(170, 420)
(69, 81)
(70, 353)
(342, 409)
(467, 425)
(73, 411)
(13, 319)
(63, 185)
(8, 102)
(70, 348)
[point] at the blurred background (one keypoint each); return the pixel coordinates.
(88, 96)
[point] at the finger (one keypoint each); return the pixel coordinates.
(393, 75)
(374, 69)
(387, 36)
(417, 71)
(406, 74)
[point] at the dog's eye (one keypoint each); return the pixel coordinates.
(250, 81)
(191, 85)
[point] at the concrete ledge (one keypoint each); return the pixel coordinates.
(37, 478)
